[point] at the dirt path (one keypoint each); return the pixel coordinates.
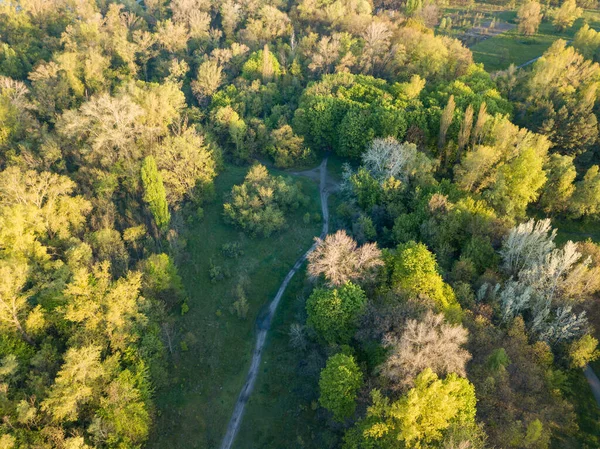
(264, 323)
(593, 381)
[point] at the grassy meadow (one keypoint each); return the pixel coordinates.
(499, 52)
(214, 344)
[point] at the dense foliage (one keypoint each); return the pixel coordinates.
(442, 309)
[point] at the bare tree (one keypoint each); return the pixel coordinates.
(527, 244)
(340, 259)
(376, 50)
(387, 157)
(429, 343)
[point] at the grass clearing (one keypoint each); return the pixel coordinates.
(576, 230)
(588, 415)
(207, 377)
(499, 52)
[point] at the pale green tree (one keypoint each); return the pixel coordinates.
(154, 193)
(529, 17)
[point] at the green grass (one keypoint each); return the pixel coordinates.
(282, 412)
(588, 415)
(576, 230)
(498, 52)
(194, 409)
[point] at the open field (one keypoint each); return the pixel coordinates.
(499, 52)
(207, 377)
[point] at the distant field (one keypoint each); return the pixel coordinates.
(207, 378)
(499, 52)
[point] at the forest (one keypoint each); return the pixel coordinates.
(429, 171)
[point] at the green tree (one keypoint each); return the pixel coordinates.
(559, 186)
(77, 383)
(334, 313)
(14, 307)
(583, 351)
(419, 418)
(187, 166)
(260, 203)
(586, 199)
(529, 17)
(564, 16)
(339, 383)
(287, 149)
(154, 193)
(415, 274)
(587, 42)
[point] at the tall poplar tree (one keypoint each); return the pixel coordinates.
(154, 193)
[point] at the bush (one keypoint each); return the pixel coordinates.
(233, 250)
(217, 273)
(240, 306)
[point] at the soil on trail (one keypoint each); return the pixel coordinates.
(326, 185)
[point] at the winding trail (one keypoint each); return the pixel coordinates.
(264, 323)
(593, 381)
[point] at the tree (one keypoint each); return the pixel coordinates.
(428, 343)
(545, 283)
(564, 16)
(446, 121)
(340, 260)
(261, 65)
(586, 198)
(339, 383)
(160, 279)
(415, 274)
(154, 193)
(559, 186)
(77, 383)
(109, 124)
(465, 129)
(527, 244)
(387, 158)
(172, 36)
(208, 80)
(507, 168)
(478, 128)
(287, 149)
(419, 418)
(529, 17)
(14, 307)
(375, 53)
(334, 313)
(105, 311)
(260, 204)
(559, 96)
(583, 351)
(187, 166)
(587, 43)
